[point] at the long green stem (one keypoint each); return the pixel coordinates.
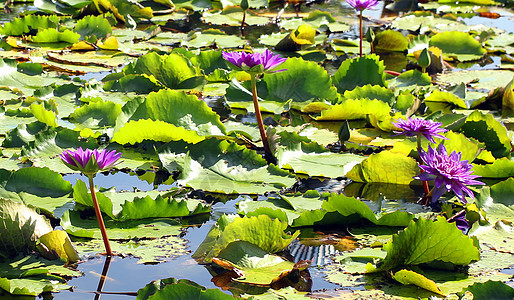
(99, 217)
(360, 30)
(426, 189)
(267, 151)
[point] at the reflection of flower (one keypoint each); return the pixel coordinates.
(415, 126)
(362, 4)
(449, 173)
(90, 161)
(254, 62)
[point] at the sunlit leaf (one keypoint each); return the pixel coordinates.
(20, 227)
(153, 131)
(359, 72)
(425, 241)
(410, 277)
(457, 44)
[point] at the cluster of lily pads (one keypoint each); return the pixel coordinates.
(119, 87)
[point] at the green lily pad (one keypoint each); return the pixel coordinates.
(425, 241)
(386, 167)
(489, 131)
(181, 110)
(359, 72)
(154, 228)
(459, 45)
(491, 290)
(172, 289)
(254, 265)
(226, 168)
(20, 227)
(260, 231)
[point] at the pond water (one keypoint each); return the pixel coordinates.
(121, 277)
(124, 275)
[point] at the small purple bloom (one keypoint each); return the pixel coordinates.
(449, 173)
(90, 161)
(254, 62)
(362, 4)
(415, 126)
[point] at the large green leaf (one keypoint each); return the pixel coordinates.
(425, 241)
(302, 81)
(181, 110)
(500, 168)
(261, 231)
(225, 168)
(305, 157)
(173, 71)
(458, 44)
(491, 132)
(386, 167)
(92, 28)
(254, 265)
(38, 181)
(20, 227)
(371, 92)
(171, 289)
(72, 222)
(491, 290)
(390, 40)
(359, 72)
(160, 207)
(348, 206)
(159, 131)
(351, 109)
(23, 25)
(95, 115)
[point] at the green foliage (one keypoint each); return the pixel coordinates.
(386, 167)
(20, 227)
(172, 289)
(359, 72)
(426, 241)
(491, 132)
(302, 81)
(92, 28)
(457, 44)
(390, 40)
(261, 231)
(181, 110)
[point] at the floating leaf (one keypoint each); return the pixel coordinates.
(410, 277)
(348, 206)
(260, 231)
(491, 132)
(254, 265)
(154, 228)
(390, 40)
(386, 167)
(457, 44)
(95, 115)
(371, 92)
(491, 290)
(171, 289)
(181, 110)
(425, 241)
(20, 227)
(158, 131)
(359, 72)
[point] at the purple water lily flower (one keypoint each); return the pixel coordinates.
(415, 126)
(265, 62)
(362, 4)
(90, 161)
(448, 171)
(460, 221)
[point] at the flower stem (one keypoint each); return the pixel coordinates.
(99, 217)
(360, 30)
(267, 151)
(243, 23)
(426, 189)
